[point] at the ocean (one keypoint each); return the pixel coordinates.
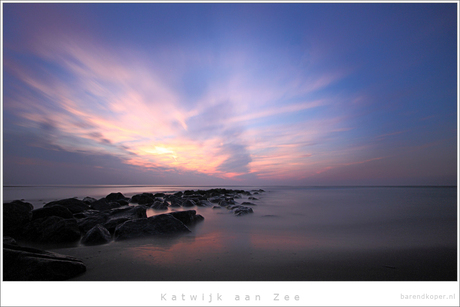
(299, 225)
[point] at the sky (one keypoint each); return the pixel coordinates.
(230, 93)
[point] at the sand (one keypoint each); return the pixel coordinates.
(189, 258)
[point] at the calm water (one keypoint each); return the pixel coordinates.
(291, 218)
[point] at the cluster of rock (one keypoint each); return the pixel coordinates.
(92, 222)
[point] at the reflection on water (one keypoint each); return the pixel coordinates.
(303, 222)
(290, 226)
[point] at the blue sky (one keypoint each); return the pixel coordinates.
(264, 93)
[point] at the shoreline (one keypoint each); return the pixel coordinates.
(253, 247)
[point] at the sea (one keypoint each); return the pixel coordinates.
(288, 220)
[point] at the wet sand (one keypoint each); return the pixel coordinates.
(194, 259)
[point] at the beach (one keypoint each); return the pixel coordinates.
(293, 234)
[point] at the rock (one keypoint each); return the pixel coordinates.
(252, 198)
(240, 210)
(9, 240)
(159, 205)
(129, 212)
(96, 236)
(53, 229)
(178, 194)
(163, 224)
(30, 264)
(52, 211)
(103, 204)
(189, 192)
(88, 200)
(16, 215)
(188, 203)
(216, 207)
(111, 224)
(159, 195)
(89, 222)
(115, 197)
(203, 203)
(144, 198)
(73, 204)
(215, 199)
(246, 203)
(188, 217)
(176, 202)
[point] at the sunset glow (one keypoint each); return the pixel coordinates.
(239, 93)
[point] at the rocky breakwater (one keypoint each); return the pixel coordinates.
(72, 222)
(99, 221)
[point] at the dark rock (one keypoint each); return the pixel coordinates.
(160, 205)
(103, 204)
(203, 203)
(188, 217)
(52, 229)
(163, 224)
(129, 212)
(88, 200)
(122, 203)
(159, 195)
(115, 197)
(188, 203)
(252, 198)
(96, 236)
(86, 213)
(73, 204)
(9, 240)
(215, 199)
(176, 202)
(246, 203)
(189, 192)
(144, 198)
(178, 194)
(89, 222)
(111, 224)
(240, 210)
(16, 215)
(52, 211)
(30, 264)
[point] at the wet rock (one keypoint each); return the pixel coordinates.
(89, 222)
(96, 236)
(159, 195)
(176, 202)
(16, 215)
(52, 211)
(88, 200)
(30, 264)
(129, 212)
(104, 204)
(111, 224)
(160, 205)
(215, 199)
(52, 229)
(246, 203)
(189, 203)
(9, 240)
(188, 217)
(252, 198)
(178, 194)
(239, 210)
(74, 205)
(163, 224)
(115, 197)
(144, 198)
(203, 203)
